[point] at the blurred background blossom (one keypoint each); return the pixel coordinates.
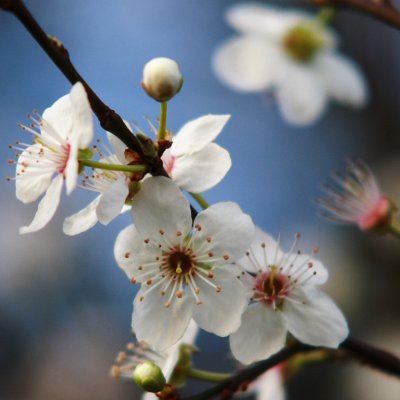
(66, 307)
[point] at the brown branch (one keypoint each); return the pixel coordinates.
(382, 10)
(368, 355)
(109, 119)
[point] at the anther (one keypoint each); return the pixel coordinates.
(226, 257)
(179, 294)
(209, 239)
(127, 254)
(210, 254)
(178, 233)
(149, 282)
(198, 227)
(218, 289)
(133, 281)
(161, 231)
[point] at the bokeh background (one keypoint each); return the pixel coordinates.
(65, 307)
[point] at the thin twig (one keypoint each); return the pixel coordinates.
(108, 118)
(382, 10)
(369, 355)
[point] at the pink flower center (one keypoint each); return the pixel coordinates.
(64, 157)
(376, 216)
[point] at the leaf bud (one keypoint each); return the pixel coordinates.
(149, 377)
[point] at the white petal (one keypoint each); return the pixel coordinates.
(58, 119)
(82, 220)
(202, 170)
(342, 79)
(112, 201)
(318, 322)
(228, 230)
(262, 333)
(220, 313)
(47, 206)
(263, 251)
(82, 116)
(157, 325)
(269, 385)
(118, 147)
(247, 63)
(31, 183)
(161, 205)
(196, 134)
(130, 252)
(263, 20)
(302, 262)
(71, 169)
(301, 96)
(173, 352)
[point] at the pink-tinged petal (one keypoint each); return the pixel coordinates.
(58, 119)
(132, 253)
(313, 318)
(220, 311)
(226, 229)
(71, 169)
(31, 181)
(262, 333)
(301, 96)
(202, 170)
(172, 354)
(196, 134)
(112, 201)
(263, 20)
(342, 79)
(247, 63)
(82, 220)
(161, 209)
(157, 325)
(263, 251)
(47, 206)
(82, 128)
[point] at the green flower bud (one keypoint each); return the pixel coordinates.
(149, 377)
(162, 79)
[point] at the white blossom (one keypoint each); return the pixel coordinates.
(65, 128)
(294, 55)
(183, 270)
(284, 298)
(193, 162)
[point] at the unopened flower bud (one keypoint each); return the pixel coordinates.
(149, 377)
(162, 78)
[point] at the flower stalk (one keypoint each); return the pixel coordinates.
(113, 167)
(162, 132)
(201, 201)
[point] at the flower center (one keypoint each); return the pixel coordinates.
(271, 287)
(180, 263)
(303, 42)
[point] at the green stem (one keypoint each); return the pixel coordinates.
(208, 376)
(394, 229)
(200, 200)
(163, 121)
(113, 167)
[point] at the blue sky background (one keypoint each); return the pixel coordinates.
(66, 305)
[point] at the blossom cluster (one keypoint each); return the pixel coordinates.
(213, 270)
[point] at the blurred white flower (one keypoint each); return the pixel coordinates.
(65, 128)
(284, 298)
(193, 162)
(184, 271)
(354, 197)
(293, 54)
(269, 385)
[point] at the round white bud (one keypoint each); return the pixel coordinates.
(162, 78)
